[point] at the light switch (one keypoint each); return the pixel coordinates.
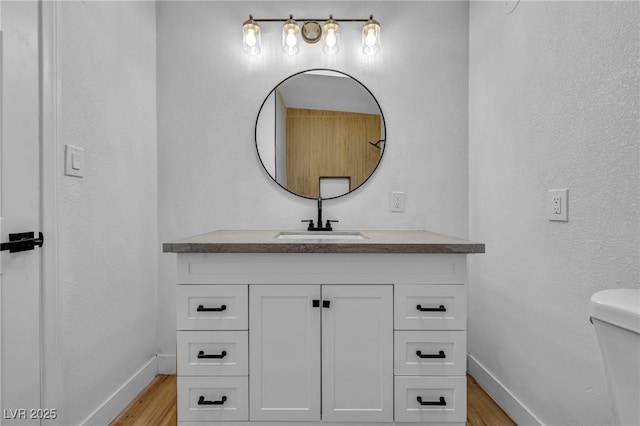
(73, 161)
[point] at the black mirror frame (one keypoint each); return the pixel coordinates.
(384, 138)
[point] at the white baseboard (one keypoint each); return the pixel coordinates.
(511, 405)
(167, 364)
(109, 409)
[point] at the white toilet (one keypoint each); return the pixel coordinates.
(616, 317)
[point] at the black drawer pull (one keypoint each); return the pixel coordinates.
(441, 402)
(201, 401)
(315, 303)
(201, 308)
(326, 303)
(201, 354)
(438, 355)
(441, 308)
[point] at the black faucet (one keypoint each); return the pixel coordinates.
(311, 226)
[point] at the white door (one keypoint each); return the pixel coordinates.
(284, 352)
(20, 211)
(357, 353)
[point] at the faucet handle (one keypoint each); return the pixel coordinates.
(310, 223)
(328, 226)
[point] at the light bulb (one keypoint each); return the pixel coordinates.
(250, 39)
(331, 39)
(290, 39)
(370, 39)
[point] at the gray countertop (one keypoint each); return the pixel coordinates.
(374, 241)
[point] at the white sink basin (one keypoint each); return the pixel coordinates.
(319, 235)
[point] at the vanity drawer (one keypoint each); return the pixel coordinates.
(213, 353)
(212, 307)
(430, 353)
(430, 399)
(213, 399)
(430, 307)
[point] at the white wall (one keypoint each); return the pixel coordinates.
(209, 93)
(108, 218)
(553, 103)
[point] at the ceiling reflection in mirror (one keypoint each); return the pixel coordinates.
(320, 133)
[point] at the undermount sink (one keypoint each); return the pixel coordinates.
(320, 235)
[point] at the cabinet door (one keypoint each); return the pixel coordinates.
(357, 353)
(284, 352)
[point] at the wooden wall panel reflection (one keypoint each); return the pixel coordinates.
(329, 144)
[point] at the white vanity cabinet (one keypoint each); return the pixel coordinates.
(357, 353)
(212, 353)
(325, 334)
(430, 353)
(321, 349)
(285, 383)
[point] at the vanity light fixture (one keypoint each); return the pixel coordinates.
(371, 37)
(331, 36)
(290, 37)
(251, 37)
(311, 32)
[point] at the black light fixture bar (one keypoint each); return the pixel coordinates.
(311, 33)
(309, 19)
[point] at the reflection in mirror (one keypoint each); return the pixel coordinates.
(331, 187)
(320, 129)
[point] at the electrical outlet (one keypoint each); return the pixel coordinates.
(397, 201)
(557, 203)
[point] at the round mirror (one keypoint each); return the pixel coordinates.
(320, 133)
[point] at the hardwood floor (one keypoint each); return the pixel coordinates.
(481, 409)
(156, 405)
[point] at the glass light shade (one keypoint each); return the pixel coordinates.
(291, 37)
(251, 37)
(371, 37)
(331, 37)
